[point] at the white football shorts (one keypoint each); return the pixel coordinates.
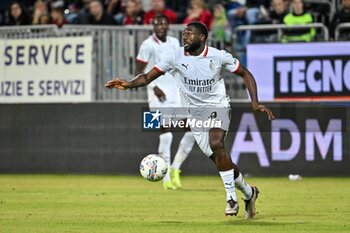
(217, 118)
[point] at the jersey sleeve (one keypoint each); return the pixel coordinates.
(166, 63)
(230, 63)
(145, 53)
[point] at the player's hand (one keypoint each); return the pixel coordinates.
(118, 83)
(263, 108)
(159, 93)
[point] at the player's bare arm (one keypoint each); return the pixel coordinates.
(250, 84)
(139, 81)
(140, 68)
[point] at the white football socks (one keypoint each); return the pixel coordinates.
(227, 178)
(164, 150)
(184, 149)
(242, 186)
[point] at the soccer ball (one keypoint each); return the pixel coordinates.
(153, 167)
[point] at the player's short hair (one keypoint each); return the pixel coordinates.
(160, 16)
(200, 27)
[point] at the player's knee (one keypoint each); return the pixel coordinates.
(216, 145)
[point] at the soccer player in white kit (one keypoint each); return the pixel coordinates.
(198, 74)
(162, 95)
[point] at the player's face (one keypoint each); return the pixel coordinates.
(160, 27)
(191, 39)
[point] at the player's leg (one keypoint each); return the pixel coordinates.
(250, 194)
(185, 147)
(164, 150)
(226, 168)
(229, 173)
(165, 137)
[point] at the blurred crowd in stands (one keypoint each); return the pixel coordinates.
(221, 17)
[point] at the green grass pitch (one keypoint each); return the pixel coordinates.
(86, 203)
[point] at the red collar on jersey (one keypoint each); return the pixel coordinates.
(156, 39)
(204, 53)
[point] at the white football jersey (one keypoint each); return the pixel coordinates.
(152, 51)
(199, 78)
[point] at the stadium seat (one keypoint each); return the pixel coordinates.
(321, 10)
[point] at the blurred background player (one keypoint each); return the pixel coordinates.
(162, 93)
(206, 63)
